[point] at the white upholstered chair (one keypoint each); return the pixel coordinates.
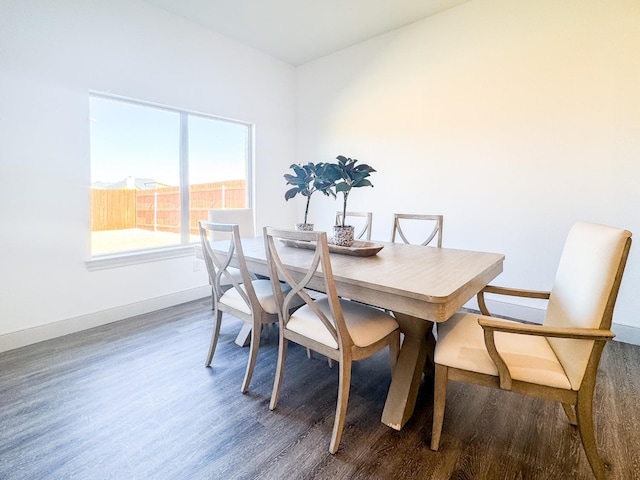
(363, 227)
(243, 217)
(340, 329)
(557, 360)
(246, 298)
(431, 228)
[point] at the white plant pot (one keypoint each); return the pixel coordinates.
(304, 227)
(343, 236)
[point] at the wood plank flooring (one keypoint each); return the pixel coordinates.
(133, 400)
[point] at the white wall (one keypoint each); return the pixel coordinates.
(513, 119)
(51, 55)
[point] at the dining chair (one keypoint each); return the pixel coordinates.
(342, 330)
(243, 217)
(365, 230)
(407, 219)
(248, 299)
(557, 360)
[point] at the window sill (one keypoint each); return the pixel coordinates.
(117, 260)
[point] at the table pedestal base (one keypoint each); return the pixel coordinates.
(243, 339)
(418, 344)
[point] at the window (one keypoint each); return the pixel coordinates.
(156, 171)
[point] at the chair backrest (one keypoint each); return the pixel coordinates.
(298, 280)
(425, 235)
(365, 227)
(221, 273)
(585, 290)
(243, 217)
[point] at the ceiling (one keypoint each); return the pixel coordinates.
(298, 31)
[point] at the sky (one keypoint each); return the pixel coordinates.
(130, 139)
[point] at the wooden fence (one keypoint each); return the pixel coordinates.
(113, 209)
(158, 209)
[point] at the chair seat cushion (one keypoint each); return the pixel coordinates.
(366, 324)
(264, 292)
(460, 344)
(235, 273)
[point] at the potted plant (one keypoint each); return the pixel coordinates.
(347, 175)
(308, 179)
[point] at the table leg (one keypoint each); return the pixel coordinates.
(403, 392)
(244, 335)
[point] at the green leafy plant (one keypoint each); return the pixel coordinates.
(308, 179)
(346, 175)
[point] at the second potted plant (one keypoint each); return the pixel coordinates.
(347, 175)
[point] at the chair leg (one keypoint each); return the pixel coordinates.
(344, 385)
(214, 336)
(584, 413)
(282, 354)
(439, 398)
(254, 346)
(310, 355)
(571, 414)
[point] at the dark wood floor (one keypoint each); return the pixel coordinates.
(133, 400)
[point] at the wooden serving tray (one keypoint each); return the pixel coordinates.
(359, 248)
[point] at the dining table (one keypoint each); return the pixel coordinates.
(419, 284)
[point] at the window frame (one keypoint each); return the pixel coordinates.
(186, 248)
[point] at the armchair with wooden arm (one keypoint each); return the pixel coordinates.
(557, 360)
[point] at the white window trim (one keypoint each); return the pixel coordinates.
(116, 260)
(123, 259)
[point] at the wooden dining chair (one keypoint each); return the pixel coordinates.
(425, 236)
(557, 360)
(342, 330)
(365, 228)
(248, 299)
(243, 217)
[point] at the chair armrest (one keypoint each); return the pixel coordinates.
(491, 325)
(513, 292)
(516, 292)
(498, 325)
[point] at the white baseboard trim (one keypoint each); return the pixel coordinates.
(21, 338)
(512, 310)
(624, 333)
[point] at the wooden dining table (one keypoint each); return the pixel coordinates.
(419, 284)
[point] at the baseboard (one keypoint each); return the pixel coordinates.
(512, 310)
(624, 333)
(21, 338)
